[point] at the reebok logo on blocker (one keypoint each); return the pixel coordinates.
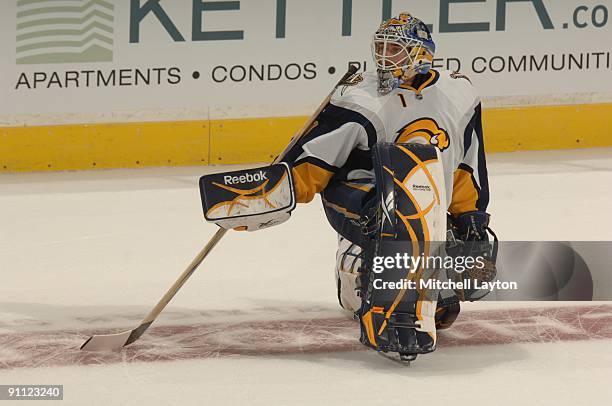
(247, 178)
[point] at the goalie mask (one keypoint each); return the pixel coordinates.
(402, 47)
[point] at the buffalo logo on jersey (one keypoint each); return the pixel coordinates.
(426, 128)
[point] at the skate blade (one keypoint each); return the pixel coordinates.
(402, 359)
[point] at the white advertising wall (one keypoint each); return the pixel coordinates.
(78, 61)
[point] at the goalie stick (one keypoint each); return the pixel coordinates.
(116, 341)
(107, 342)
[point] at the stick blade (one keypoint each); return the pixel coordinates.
(109, 342)
(106, 342)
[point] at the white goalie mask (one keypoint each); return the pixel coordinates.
(402, 47)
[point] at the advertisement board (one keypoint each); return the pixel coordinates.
(118, 61)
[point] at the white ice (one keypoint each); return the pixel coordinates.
(98, 249)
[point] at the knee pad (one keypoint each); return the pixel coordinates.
(411, 223)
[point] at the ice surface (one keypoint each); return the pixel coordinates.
(94, 251)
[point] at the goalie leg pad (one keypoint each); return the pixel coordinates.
(349, 262)
(411, 223)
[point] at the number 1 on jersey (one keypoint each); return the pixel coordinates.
(401, 96)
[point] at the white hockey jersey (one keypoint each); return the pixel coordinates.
(440, 108)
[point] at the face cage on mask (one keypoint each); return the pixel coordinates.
(412, 48)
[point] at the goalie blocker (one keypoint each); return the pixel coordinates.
(249, 199)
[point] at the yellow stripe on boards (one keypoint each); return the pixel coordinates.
(250, 140)
(90, 146)
(547, 127)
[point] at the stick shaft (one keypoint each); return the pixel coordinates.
(351, 71)
(184, 276)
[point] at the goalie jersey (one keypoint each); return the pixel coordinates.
(441, 108)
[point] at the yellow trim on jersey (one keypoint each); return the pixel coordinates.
(250, 140)
(308, 180)
(433, 76)
(465, 194)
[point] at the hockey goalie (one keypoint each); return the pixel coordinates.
(398, 158)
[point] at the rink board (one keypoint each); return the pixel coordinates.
(249, 140)
(127, 84)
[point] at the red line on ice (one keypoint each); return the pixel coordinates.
(259, 338)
